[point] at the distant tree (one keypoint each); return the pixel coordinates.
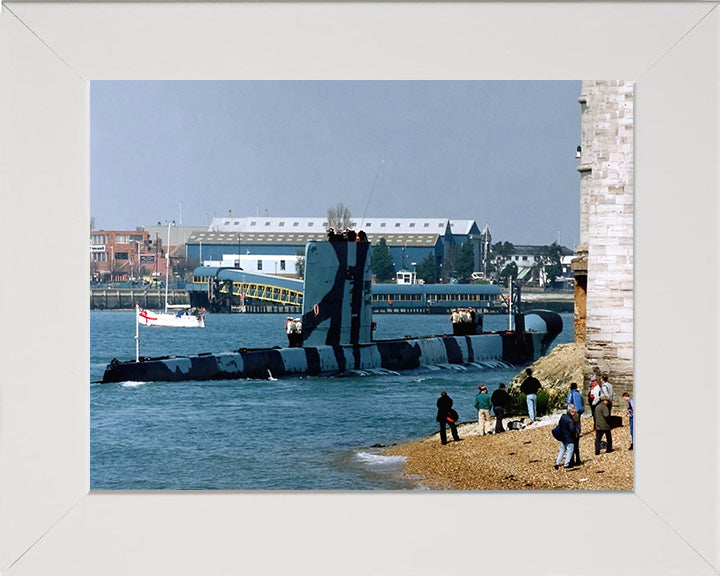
(458, 263)
(300, 262)
(500, 253)
(550, 261)
(510, 270)
(447, 267)
(92, 223)
(464, 262)
(339, 218)
(381, 262)
(427, 270)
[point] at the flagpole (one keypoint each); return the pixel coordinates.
(137, 332)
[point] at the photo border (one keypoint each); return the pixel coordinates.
(51, 523)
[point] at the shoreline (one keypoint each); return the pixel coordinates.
(516, 460)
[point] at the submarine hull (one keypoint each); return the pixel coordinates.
(395, 355)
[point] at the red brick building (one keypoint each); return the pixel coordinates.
(122, 255)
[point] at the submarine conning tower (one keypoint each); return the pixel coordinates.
(336, 303)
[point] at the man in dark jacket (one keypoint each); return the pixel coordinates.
(500, 399)
(444, 403)
(567, 437)
(530, 387)
(602, 425)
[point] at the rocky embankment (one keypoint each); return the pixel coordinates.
(556, 371)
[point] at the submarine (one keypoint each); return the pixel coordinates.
(336, 334)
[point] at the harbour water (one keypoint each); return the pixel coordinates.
(288, 434)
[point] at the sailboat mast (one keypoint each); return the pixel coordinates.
(167, 267)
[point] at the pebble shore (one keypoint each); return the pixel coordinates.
(516, 460)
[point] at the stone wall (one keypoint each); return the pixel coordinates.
(606, 229)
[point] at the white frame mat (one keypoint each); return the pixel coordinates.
(50, 523)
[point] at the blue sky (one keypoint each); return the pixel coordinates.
(501, 153)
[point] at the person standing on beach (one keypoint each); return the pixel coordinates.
(602, 426)
(444, 403)
(607, 389)
(499, 399)
(483, 405)
(567, 437)
(575, 398)
(530, 387)
(594, 397)
(630, 410)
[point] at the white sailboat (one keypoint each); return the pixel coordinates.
(174, 316)
(185, 317)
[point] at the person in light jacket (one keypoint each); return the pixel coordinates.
(607, 389)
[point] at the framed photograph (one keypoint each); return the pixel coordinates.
(50, 521)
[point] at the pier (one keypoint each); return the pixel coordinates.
(126, 298)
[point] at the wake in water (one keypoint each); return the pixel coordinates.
(488, 365)
(132, 384)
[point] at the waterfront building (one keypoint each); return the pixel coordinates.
(123, 255)
(177, 238)
(277, 265)
(118, 255)
(409, 240)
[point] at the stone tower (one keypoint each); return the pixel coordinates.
(604, 266)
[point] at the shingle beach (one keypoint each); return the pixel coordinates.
(517, 460)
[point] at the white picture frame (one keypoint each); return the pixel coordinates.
(50, 523)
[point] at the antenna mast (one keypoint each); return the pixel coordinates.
(377, 175)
